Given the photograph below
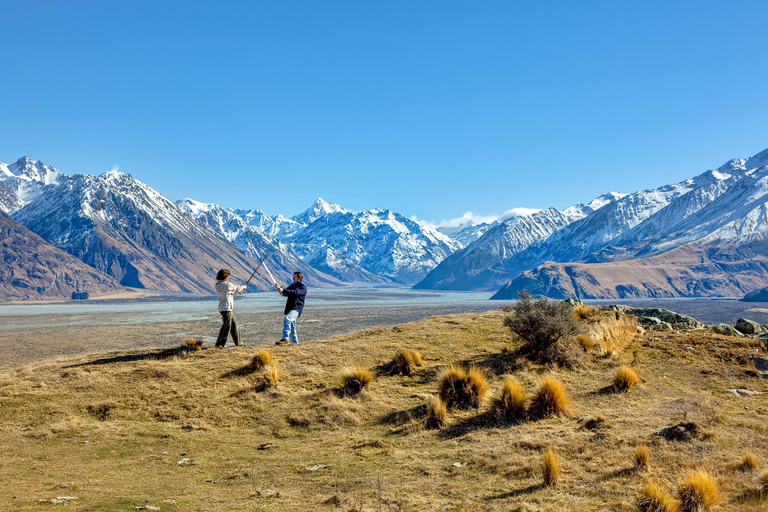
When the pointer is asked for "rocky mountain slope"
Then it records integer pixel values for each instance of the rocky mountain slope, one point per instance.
(129, 231)
(31, 268)
(718, 218)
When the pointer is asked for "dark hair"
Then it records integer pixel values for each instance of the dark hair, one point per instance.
(299, 275)
(223, 274)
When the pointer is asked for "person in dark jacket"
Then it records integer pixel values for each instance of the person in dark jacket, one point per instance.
(293, 307)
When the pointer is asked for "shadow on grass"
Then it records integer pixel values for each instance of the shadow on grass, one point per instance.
(403, 417)
(240, 372)
(517, 493)
(752, 496)
(618, 473)
(156, 355)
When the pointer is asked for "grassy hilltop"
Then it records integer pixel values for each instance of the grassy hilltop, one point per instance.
(187, 429)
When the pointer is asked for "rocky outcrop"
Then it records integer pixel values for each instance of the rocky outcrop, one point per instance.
(657, 317)
(30, 268)
(726, 330)
(749, 327)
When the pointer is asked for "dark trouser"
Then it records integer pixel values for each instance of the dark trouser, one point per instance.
(228, 325)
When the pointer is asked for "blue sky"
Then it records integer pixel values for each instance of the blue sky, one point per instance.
(431, 109)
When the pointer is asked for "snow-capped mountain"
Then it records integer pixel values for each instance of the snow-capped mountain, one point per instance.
(8, 199)
(480, 265)
(280, 260)
(273, 227)
(27, 178)
(721, 216)
(128, 230)
(467, 233)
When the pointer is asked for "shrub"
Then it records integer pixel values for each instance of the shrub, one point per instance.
(354, 381)
(582, 312)
(271, 377)
(404, 361)
(550, 468)
(642, 458)
(625, 378)
(586, 342)
(750, 462)
(192, 344)
(550, 398)
(436, 413)
(461, 388)
(541, 323)
(654, 499)
(261, 359)
(512, 403)
(698, 492)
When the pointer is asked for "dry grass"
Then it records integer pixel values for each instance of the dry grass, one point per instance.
(404, 362)
(511, 406)
(550, 467)
(261, 359)
(462, 389)
(550, 398)
(192, 344)
(625, 378)
(763, 485)
(642, 458)
(750, 462)
(295, 446)
(272, 377)
(437, 413)
(654, 499)
(354, 381)
(584, 312)
(586, 342)
(698, 492)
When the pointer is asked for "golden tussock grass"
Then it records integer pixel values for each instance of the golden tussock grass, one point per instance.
(512, 403)
(749, 463)
(437, 413)
(272, 377)
(586, 342)
(354, 381)
(763, 485)
(584, 312)
(550, 398)
(625, 378)
(698, 492)
(261, 358)
(550, 467)
(192, 344)
(462, 389)
(404, 361)
(654, 499)
(642, 458)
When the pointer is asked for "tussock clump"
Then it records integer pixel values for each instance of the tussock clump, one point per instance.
(625, 378)
(750, 462)
(511, 406)
(763, 485)
(437, 413)
(271, 377)
(550, 398)
(462, 389)
(583, 312)
(541, 323)
(654, 499)
(354, 381)
(550, 468)
(698, 492)
(642, 458)
(101, 411)
(192, 344)
(586, 342)
(261, 359)
(403, 362)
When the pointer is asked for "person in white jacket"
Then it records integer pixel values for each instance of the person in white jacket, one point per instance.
(226, 292)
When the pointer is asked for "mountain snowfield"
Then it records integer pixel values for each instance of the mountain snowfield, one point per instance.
(704, 236)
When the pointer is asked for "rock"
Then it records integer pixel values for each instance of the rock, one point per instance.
(574, 302)
(317, 467)
(653, 323)
(726, 330)
(679, 432)
(742, 392)
(749, 327)
(761, 363)
(764, 339)
(650, 316)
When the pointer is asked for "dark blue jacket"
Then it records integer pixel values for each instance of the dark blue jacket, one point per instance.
(295, 293)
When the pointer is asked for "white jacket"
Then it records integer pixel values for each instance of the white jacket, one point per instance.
(226, 292)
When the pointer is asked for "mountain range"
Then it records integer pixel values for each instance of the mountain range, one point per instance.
(705, 236)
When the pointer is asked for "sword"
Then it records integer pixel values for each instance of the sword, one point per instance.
(257, 268)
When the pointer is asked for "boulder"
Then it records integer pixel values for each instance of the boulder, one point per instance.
(653, 323)
(727, 330)
(749, 327)
(675, 321)
(761, 363)
(742, 392)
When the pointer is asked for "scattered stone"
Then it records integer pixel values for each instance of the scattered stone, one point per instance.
(317, 467)
(147, 507)
(761, 363)
(749, 327)
(459, 464)
(574, 302)
(68, 485)
(726, 330)
(679, 432)
(61, 500)
(742, 392)
(186, 462)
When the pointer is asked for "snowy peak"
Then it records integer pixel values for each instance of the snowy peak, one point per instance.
(26, 178)
(319, 209)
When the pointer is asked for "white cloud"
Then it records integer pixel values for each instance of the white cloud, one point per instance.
(472, 218)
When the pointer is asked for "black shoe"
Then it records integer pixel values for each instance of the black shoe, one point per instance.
(281, 342)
